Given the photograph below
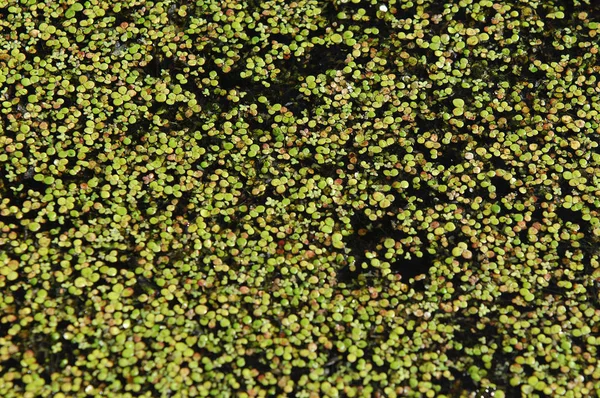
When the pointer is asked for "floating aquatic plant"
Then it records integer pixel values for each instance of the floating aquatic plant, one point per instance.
(348, 198)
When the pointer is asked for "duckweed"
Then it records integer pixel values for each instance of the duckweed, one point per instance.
(349, 198)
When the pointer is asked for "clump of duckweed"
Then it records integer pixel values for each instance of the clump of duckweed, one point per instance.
(347, 198)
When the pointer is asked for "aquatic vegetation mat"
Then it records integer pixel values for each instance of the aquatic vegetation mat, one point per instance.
(299, 198)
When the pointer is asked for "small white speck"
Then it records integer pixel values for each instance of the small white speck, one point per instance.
(383, 8)
(349, 88)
